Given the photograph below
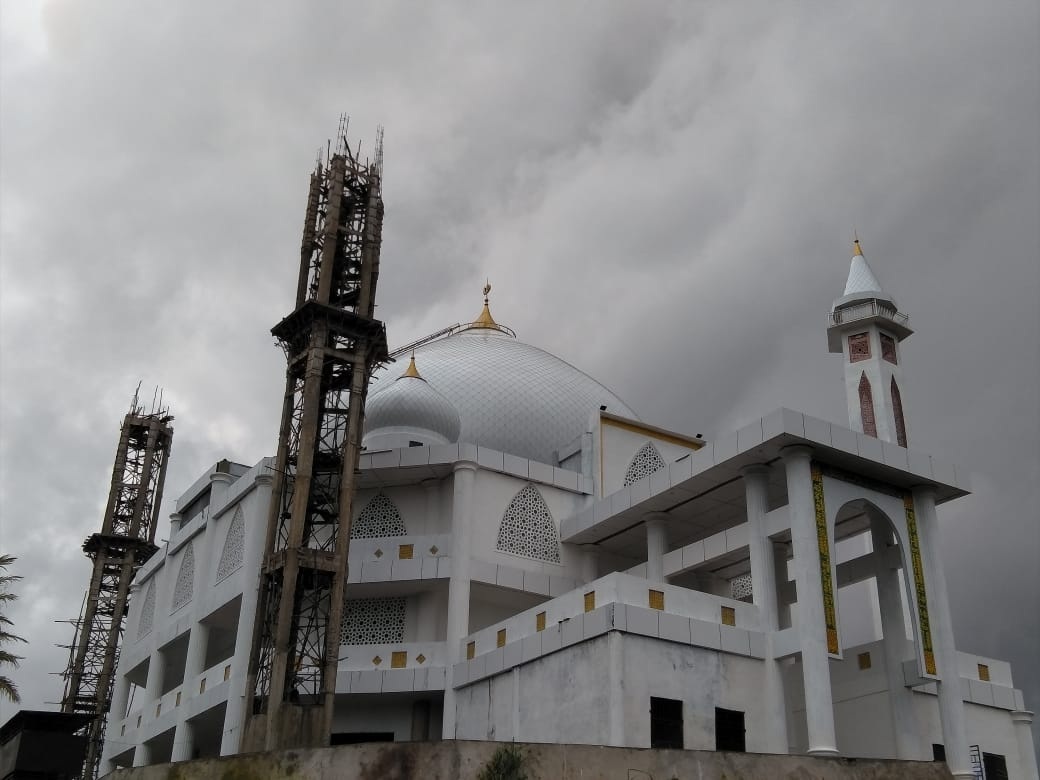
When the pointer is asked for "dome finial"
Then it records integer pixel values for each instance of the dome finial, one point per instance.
(411, 371)
(857, 250)
(485, 320)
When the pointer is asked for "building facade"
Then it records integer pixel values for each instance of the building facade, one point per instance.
(530, 561)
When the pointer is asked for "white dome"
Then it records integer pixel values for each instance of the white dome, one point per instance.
(510, 396)
(409, 409)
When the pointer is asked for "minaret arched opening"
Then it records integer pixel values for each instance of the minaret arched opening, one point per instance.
(897, 411)
(866, 406)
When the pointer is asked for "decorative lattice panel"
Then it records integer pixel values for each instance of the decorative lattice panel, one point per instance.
(866, 406)
(888, 348)
(373, 621)
(185, 585)
(644, 463)
(740, 587)
(234, 547)
(147, 617)
(380, 517)
(528, 527)
(859, 347)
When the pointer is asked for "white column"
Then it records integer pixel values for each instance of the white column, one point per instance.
(951, 701)
(894, 644)
(763, 594)
(183, 742)
(194, 665)
(1023, 720)
(656, 545)
(255, 539)
(142, 755)
(219, 482)
(616, 694)
(458, 585)
(812, 630)
(120, 697)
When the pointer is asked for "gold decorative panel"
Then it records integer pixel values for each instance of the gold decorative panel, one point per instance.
(830, 618)
(863, 659)
(398, 659)
(405, 552)
(590, 601)
(919, 587)
(656, 599)
(471, 650)
(539, 622)
(729, 616)
(500, 640)
(984, 672)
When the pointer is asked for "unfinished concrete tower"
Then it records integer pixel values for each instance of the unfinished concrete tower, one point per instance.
(125, 542)
(331, 342)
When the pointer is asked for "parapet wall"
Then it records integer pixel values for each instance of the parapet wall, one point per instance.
(459, 760)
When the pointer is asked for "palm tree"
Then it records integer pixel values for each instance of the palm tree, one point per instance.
(7, 686)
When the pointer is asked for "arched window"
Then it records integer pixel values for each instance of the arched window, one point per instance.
(185, 585)
(644, 463)
(379, 518)
(897, 410)
(528, 527)
(234, 547)
(866, 406)
(147, 617)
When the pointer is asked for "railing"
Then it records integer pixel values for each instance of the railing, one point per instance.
(864, 310)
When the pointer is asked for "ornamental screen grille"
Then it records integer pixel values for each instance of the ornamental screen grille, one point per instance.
(185, 585)
(379, 518)
(644, 463)
(888, 348)
(373, 621)
(866, 406)
(234, 545)
(740, 587)
(859, 347)
(528, 528)
(144, 622)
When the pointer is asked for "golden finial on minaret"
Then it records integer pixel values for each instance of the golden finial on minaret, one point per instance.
(412, 370)
(857, 251)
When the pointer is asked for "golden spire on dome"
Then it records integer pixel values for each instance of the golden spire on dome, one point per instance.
(485, 320)
(857, 251)
(411, 370)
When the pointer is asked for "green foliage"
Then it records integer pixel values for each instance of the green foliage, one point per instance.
(507, 763)
(7, 686)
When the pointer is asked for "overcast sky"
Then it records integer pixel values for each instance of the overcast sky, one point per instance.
(663, 194)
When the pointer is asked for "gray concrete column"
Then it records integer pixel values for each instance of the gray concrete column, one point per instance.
(812, 629)
(656, 544)
(458, 584)
(763, 594)
(142, 755)
(895, 647)
(1023, 720)
(951, 701)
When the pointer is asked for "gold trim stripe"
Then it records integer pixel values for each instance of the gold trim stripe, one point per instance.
(826, 580)
(919, 588)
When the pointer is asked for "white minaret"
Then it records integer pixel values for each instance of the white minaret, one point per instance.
(867, 328)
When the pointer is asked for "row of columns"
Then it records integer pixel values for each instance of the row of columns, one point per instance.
(766, 557)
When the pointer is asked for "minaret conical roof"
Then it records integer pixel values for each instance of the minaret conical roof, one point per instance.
(861, 278)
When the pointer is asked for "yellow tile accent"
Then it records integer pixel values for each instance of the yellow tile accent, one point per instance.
(377, 660)
(405, 552)
(729, 616)
(590, 601)
(501, 641)
(863, 659)
(823, 543)
(398, 659)
(202, 685)
(227, 672)
(656, 599)
(924, 624)
(539, 622)
(984, 672)
(420, 658)
(177, 701)
(471, 650)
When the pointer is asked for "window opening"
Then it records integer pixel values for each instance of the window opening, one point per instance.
(666, 723)
(729, 730)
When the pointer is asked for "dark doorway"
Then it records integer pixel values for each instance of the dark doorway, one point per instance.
(995, 766)
(666, 728)
(729, 730)
(353, 737)
(938, 752)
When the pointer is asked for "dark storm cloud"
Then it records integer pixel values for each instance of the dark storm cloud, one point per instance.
(663, 196)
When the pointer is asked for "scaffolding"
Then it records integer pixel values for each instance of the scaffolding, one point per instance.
(332, 343)
(125, 542)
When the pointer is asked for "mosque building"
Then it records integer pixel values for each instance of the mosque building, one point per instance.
(530, 561)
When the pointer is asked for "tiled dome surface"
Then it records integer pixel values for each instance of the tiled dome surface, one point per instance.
(410, 402)
(510, 396)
